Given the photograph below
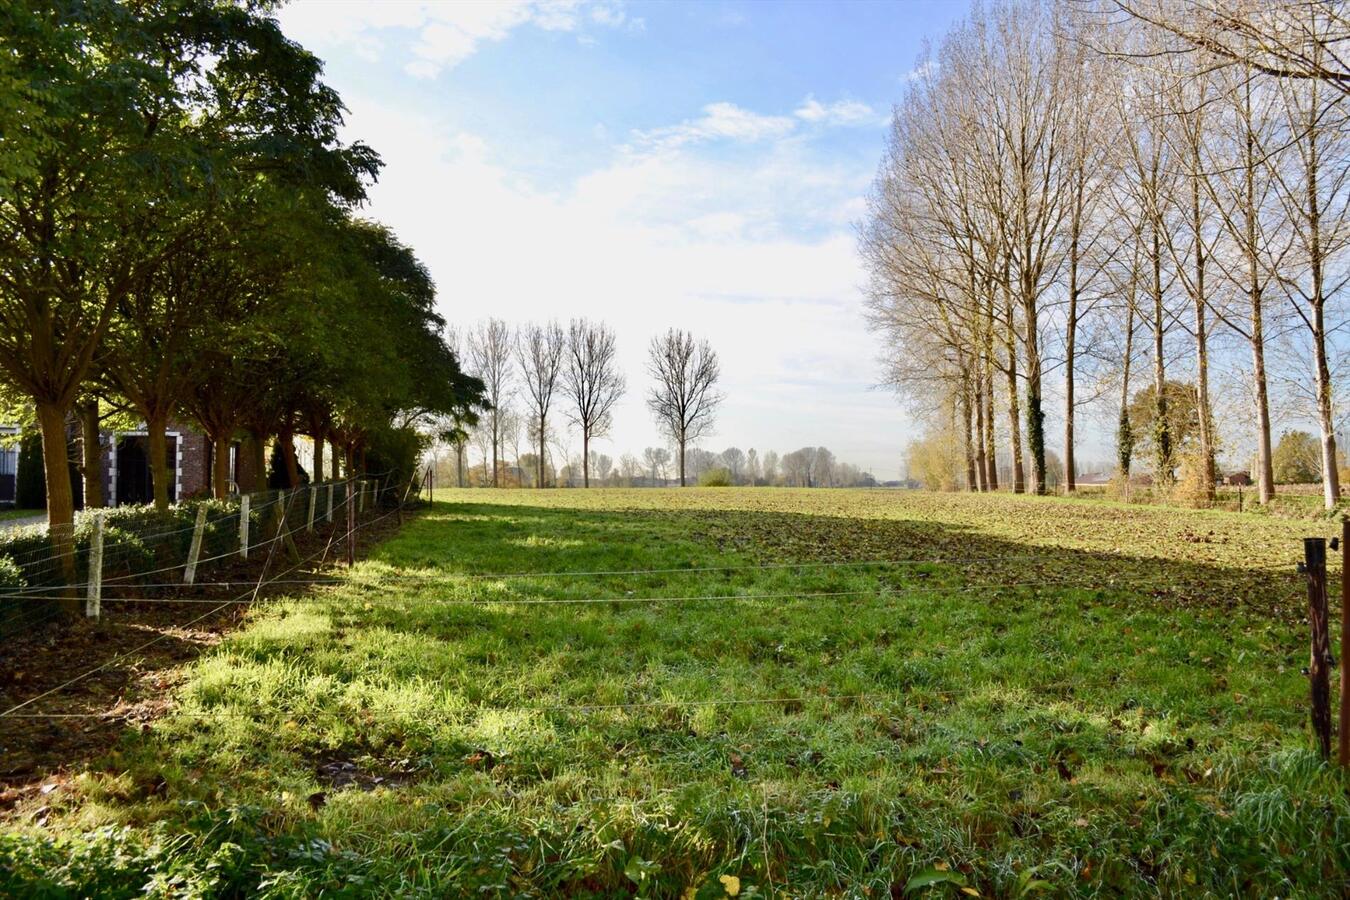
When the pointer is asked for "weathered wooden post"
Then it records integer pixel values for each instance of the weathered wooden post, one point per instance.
(1315, 558)
(243, 526)
(329, 517)
(195, 549)
(313, 502)
(93, 604)
(351, 525)
(1344, 754)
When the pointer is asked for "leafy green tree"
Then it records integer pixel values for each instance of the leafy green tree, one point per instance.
(1297, 458)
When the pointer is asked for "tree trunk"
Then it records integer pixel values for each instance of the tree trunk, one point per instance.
(1162, 433)
(541, 455)
(157, 443)
(1014, 412)
(585, 458)
(967, 443)
(991, 451)
(496, 439)
(60, 501)
(1265, 464)
(459, 464)
(682, 464)
(93, 456)
(287, 442)
(257, 446)
(1206, 429)
(1035, 413)
(1070, 340)
(334, 460)
(981, 467)
(220, 467)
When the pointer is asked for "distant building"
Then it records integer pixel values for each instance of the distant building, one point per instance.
(1238, 479)
(126, 465)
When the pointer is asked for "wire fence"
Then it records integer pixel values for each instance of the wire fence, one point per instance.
(302, 509)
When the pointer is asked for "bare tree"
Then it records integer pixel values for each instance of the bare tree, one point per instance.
(1293, 40)
(684, 398)
(656, 458)
(593, 382)
(490, 353)
(540, 349)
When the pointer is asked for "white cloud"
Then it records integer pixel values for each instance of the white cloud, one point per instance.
(841, 112)
(446, 33)
(720, 121)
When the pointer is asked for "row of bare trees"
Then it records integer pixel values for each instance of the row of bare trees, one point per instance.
(1073, 192)
(540, 364)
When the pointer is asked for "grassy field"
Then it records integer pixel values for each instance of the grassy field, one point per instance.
(744, 692)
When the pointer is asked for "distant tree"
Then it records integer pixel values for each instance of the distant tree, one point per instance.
(935, 460)
(540, 349)
(684, 398)
(656, 458)
(1297, 458)
(599, 463)
(822, 468)
(734, 458)
(593, 382)
(771, 467)
(752, 466)
(629, 468)
(1182, 424)
(490, 356)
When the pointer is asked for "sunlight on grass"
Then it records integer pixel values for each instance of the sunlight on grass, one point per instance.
(1111, 722)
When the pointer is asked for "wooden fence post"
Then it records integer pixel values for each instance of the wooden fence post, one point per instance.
(1315, 558)
(351, 525)
(93, 604)
(195, 549)
(243, 526)
(329, 518)
(313, 502)
(1344, 754)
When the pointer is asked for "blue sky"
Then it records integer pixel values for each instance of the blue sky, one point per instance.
(650, 164)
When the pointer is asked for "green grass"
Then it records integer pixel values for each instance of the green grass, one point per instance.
(1078, 697)
(9, 513)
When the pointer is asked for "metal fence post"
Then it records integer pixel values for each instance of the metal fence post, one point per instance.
(195, 549)
(1319, 682)
(93, 604)
(243, 526)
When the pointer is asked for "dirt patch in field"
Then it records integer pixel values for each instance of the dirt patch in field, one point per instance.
(118, 673)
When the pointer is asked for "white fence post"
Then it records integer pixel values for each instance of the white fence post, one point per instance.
(93, 604)
(243, 526)
(195, 550)
(329, 517)
(313, 502)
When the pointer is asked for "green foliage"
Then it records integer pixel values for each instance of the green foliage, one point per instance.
(276, 469)
(1124, 442)
(10, 574)
(1036, 439)
(394, 455)
(30, 480)
(1297, 458)
(718, 476)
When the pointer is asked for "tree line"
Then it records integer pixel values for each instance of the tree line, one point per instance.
(544, 382)
(179, 238)
(1126, 207)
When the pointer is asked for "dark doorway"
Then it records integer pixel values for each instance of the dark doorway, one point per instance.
(133, 470)
(9, 467)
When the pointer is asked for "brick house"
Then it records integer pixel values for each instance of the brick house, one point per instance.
(126, 465)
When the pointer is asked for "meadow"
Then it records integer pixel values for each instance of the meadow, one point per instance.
(736, 692)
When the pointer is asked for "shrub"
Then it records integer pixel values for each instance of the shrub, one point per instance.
(718, 477)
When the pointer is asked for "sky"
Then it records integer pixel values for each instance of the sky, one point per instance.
(696, 165)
